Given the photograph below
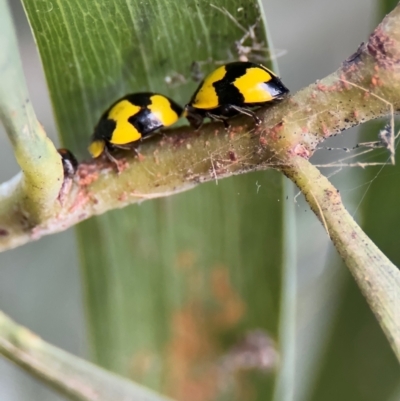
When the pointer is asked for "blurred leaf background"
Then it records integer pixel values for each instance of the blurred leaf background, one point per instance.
(222, 279)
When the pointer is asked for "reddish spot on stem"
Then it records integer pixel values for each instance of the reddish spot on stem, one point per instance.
(344, 81)
(383, 48)
(141, 157)
(232, 156)
(300, 150)
(325, 130)
(274, 131)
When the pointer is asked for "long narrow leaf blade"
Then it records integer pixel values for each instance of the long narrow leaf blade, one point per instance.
(175, 288)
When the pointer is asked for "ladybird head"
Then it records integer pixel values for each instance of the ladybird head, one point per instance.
(194, 116)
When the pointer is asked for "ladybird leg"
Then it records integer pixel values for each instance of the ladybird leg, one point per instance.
(246, 112)
(194, 117)
(221, 119)
(124, 147)
(196, 121)
(136, 150)
(112, 159)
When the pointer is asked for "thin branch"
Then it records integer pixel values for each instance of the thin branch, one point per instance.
(70, 375)
(33, 198)
(183, 158)
(377, 277)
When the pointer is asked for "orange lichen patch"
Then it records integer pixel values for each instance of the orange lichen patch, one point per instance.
(89, 179)
(275, 130)
(383, 48)
(321, 87)
(375, 80)
(349, 67)
(232, 307)
(87, 174)
(194, 352)
(191, 375)
(263, 141)
(123, 197)
(186, 259)
(325, 88)
(190, 332)
(81, 199)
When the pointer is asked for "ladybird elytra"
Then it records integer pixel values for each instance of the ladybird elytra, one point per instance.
(96, 147)
(131, 118)
(250, 87)
(232, 89)
(161, 107)
(124, 132)
(206, 97)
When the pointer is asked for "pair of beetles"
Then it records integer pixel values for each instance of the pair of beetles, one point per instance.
(232, 89)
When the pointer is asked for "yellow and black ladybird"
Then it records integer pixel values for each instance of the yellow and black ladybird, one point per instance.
(132, 118)
(232, 89)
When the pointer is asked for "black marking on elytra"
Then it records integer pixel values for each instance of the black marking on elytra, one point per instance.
(175, 107)
(142, 99)
(227, 92)
(276, 88)
(145, 122)
(105, 128)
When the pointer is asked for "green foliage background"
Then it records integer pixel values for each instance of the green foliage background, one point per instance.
(190, 269)
(202, 267)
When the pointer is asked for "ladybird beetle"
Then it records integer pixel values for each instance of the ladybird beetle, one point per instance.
(69, 162)
(232, 89)
(70, 167)
(130, 119)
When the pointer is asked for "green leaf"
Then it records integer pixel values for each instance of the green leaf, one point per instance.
(71, 376)
(385, 6)
(359, 361)
(34, 192)
(173, 286)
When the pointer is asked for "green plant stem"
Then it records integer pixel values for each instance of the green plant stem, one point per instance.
(32, 200)
(366, 86)
(70, 375)
(377, 277)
